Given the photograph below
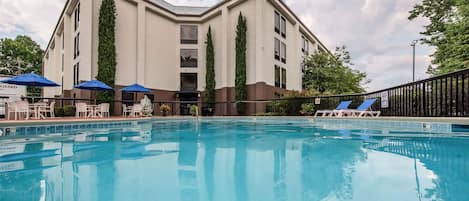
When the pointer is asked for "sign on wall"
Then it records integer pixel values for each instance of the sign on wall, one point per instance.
(384, 100)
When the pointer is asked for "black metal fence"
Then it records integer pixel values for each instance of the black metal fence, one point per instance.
(440, 96)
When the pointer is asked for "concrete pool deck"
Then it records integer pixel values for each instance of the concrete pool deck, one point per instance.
(68, 120)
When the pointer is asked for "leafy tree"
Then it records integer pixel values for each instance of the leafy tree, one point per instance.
(21, 55)
(240, 82)
(107, 49)
(210, 67)
(333, 73)
(448, 31)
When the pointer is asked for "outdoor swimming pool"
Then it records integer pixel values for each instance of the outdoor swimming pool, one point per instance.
(258, 159)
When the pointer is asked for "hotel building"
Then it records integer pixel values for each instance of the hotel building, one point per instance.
(162, 47)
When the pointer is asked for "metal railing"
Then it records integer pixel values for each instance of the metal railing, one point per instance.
(441, 96)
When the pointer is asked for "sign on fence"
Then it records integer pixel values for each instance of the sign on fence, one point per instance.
(384, 100)
(317, 101)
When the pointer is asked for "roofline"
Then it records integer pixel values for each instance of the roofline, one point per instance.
(306, 28)
(55, 29)
(193, 15)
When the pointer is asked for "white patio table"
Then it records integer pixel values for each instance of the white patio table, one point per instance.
(94, 110)
(35, 107)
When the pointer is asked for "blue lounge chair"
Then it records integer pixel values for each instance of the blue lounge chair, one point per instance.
(363, 110)
(342, 106)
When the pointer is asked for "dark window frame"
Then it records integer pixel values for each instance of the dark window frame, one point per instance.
(277, 22)
(283, 26)
(76, 73)
(78, 44)
(190, 41)
(283, 52)
(189, 64)
(77, 17)
(277, 49)
(284, 78)
(195, 84)
(75, 47)
(277, 76)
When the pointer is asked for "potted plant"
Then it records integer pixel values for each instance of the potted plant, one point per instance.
(165, 109)
(307, 109)
(194, 110)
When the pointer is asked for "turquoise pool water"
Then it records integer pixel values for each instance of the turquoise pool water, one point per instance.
(235, 159)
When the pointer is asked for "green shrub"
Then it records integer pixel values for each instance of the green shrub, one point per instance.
(307, 108)
(69, 111)
(194, 109)
(59, 112)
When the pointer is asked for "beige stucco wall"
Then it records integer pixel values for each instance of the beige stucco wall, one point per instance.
(126, 43)
(161, 53)
(148, 45)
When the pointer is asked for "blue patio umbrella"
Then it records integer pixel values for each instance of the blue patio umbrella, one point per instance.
(30, 79)
(94, 85)
(136, 88)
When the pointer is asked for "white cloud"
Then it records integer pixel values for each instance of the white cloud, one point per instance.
(376, 32)
(32, 17)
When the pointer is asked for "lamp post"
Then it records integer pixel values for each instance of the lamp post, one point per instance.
(414, 42)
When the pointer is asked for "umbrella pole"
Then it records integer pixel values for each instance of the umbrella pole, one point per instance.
(95, 93)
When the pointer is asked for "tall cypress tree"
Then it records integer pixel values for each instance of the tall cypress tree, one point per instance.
(107, 49)
(210, 67)
(240, 82)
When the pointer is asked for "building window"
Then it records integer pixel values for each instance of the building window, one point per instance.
(77, 17)
(76, 74)
(189, 58)
(277, 22)
(75, 47)
(283, 27)
(283, 53)
(189, 34)
(280, 77)
(277, 49)
(188, 81)
(305, 46)
(284, 78)
(277, 76)
(78, 44)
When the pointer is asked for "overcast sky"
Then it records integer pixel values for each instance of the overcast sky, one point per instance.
(376, 32)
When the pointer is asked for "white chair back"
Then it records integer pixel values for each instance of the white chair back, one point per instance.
(52, 106)
(104, 107)
(22, 106)
(80, 107)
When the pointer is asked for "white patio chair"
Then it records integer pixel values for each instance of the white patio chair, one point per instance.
(103, 110)
(47, 109)
(22, 110)
(137, 109)
(11, 110)
(125, 110)
(82, 110)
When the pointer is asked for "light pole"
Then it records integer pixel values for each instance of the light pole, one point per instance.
(414, 42)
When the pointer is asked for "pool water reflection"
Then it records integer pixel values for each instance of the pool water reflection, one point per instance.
(232, 160)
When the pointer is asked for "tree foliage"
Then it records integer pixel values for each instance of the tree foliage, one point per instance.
(448, 32)
(210, 68)
(240, 82)
(333, 73)
(107, 48)
(21, 55)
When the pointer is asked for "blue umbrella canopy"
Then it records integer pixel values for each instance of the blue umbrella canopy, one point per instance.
(94, 85)
(136, 88)
(30, 79)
